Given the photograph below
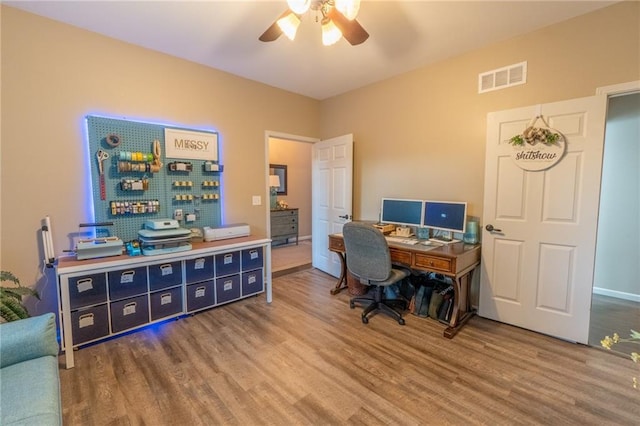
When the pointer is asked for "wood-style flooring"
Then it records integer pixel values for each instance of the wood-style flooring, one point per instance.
(290, 258)
(307, 359)
(612, 315)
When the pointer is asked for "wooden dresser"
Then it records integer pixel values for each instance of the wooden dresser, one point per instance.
(284, 224)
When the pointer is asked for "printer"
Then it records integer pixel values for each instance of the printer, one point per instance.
(93, 248)
(161, 236)
(234, 230)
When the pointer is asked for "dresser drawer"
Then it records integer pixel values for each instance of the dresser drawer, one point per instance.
(280, 214)
(436, 263)
(284, 229)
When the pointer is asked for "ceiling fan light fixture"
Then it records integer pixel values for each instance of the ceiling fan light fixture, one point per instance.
(349, 8)
(289, 25)
(330, 33)
(299, 6)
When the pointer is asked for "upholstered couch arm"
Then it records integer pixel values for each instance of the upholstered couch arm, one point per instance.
(27, 339)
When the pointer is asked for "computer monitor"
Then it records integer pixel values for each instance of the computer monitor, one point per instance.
(449, 216)
(401, 211)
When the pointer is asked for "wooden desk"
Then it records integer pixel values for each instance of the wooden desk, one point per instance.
(456, 261)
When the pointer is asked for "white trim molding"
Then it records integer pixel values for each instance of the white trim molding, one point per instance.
(619, 89)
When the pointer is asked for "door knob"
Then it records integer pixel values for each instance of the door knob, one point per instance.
(490, 228)
(346, 216)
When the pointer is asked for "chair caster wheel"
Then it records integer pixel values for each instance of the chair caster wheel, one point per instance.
(365, 320)
(401, 321)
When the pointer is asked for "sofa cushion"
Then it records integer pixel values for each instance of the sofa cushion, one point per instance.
(28, 339)
(31, 393)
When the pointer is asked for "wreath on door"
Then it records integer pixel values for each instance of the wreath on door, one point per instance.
(538, 147)
(533, 135)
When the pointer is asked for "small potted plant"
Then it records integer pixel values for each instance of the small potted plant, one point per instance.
(634, 337)
(11, 306)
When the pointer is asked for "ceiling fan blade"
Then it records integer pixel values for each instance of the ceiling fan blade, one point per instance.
(352, 31)
(274, 31)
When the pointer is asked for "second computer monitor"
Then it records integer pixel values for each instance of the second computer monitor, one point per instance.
(401, 211)
(450, 216)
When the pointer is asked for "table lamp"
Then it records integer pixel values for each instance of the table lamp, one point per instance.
(274, 184)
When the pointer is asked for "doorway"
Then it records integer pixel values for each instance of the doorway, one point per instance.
(294, 153)
(616, 296)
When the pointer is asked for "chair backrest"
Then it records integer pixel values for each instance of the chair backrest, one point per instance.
(367, 252)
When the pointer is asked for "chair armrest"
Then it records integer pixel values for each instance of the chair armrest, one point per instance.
(27, 339)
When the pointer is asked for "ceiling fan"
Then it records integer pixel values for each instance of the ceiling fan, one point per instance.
(338, 19)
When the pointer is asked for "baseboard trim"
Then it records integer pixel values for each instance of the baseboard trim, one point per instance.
(276, 274)
(617, 294)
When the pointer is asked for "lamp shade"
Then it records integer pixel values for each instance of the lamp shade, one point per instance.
(330, 33)
(349, 8)
(274, 181)
(299, 6)
(289, 25)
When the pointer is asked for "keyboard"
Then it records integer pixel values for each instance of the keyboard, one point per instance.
(402, 240)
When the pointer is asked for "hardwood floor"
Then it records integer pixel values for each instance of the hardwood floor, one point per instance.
(612, 315)
(290, 258)
(308, 359)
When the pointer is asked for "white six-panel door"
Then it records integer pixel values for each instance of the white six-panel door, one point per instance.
(332, 199)
(537, 270)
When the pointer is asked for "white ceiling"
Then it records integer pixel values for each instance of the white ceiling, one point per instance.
(404, 35)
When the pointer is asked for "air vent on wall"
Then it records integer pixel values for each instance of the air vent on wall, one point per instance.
(504, 77)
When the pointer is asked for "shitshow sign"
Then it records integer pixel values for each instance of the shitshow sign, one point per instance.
(537, 148)
(190, 145)
(539, 157)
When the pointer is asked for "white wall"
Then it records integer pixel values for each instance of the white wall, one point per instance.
(617, 267)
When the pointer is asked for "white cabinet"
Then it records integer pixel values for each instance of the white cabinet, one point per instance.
(100, 298)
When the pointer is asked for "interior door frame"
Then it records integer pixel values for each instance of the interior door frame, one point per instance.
(268, 134)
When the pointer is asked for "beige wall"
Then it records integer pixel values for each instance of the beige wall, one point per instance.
(297, 157)
(422, 134)
(53, 75)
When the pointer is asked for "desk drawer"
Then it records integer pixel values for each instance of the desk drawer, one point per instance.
(400, 256)
(436, 263)
(336, 244)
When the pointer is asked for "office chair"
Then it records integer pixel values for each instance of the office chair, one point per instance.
(369, 260)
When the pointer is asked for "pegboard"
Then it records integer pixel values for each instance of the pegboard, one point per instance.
(167, 188)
